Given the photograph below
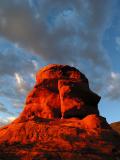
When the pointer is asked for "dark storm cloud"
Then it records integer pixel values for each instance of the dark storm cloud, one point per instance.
(60, 31)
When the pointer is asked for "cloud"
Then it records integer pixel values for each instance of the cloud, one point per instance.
(14, 59)
(34, 33)
(21, 84)
(67, 32)
(113, 86)
(62, 32)
(17, 70)
(2, 122)
(118, 41)
(4, 109)
(5, 121)
(17, 103)
(10, 119)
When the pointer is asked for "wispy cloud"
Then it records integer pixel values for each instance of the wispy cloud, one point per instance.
(4, 109)
(21, 85)
(17, 69)
(113, 89)
(117, 40)
(7, 120)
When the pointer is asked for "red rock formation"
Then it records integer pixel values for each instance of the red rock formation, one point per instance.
(54, 71)
(39, 133)
(60, 90)
(76, 99)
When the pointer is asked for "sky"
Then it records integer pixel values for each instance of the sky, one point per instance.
(81, 33)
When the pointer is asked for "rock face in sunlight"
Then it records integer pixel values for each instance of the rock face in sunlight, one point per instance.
(60, 91)
(60, 121)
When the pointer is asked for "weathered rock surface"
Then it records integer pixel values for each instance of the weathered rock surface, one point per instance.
(59, 139)
(76, 99)
(56, 71)
(60, 91)
(60, 121)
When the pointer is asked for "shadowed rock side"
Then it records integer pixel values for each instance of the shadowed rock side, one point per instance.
(60, 121)
(116, 126)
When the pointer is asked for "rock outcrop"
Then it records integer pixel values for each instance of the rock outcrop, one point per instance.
(60, 91)
(60, 121)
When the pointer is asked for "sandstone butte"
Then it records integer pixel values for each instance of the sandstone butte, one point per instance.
(60, 121)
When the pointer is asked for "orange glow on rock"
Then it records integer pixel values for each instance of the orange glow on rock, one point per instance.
(60, 121)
